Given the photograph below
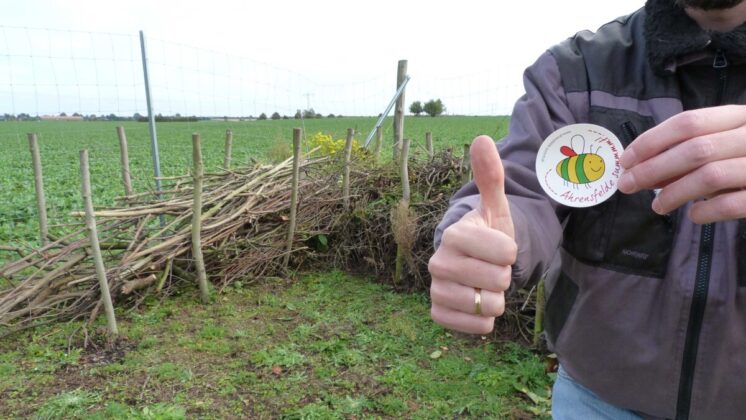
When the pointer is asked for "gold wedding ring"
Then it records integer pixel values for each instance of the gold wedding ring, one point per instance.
(478, 301)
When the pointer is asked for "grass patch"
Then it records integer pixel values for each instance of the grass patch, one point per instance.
(300, 354)
(67, 405)
(161, 411)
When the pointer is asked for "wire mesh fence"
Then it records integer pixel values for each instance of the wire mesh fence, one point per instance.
(49, 72)
(73, 87)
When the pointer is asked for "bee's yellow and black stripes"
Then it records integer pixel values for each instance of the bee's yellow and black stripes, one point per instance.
(571, 169)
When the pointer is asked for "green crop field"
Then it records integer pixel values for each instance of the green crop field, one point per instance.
(61, 141)
(324, 344)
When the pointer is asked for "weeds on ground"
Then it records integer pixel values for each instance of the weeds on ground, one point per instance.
(326, 345)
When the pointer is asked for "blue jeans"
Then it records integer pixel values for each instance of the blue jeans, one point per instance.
(571, 401)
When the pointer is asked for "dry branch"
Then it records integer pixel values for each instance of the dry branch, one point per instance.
(130, 286)
(244, 231)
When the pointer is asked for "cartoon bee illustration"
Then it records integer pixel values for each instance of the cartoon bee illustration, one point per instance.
(582, 168)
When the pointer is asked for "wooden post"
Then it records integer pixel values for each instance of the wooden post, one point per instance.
(379, 143)
(294, 195)
(405, 194)
(199, 260)
(403, 208)
(90, 223)
(125, 159)
(346, 173)
(401, 74)
(228, 149)
(429, 145)
(41, 202)
(466, 166)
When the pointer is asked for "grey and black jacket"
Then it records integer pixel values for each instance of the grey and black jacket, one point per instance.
(648, 311)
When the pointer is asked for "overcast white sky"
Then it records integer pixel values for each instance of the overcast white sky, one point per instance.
(246, 57)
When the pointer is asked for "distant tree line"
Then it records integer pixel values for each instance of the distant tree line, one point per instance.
(305, 114)
(62, 115)
(19, 117)
(167, 118)
(433, 108)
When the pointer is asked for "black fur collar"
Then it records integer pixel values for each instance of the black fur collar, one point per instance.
(671, 35)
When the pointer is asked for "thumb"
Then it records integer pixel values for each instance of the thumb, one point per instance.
(490, 179)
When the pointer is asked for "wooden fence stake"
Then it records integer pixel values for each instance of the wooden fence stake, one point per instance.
(199, 261)
(346, 173)
(466, 166)
(90, 223)
(379, 143)
(429, 145)
(401, 74)
(405, 195)
(41, 202)
(228, 149)
(403, 208)
(294, 195)
(126, 179)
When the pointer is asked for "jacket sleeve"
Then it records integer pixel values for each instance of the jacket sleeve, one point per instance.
(537, 219)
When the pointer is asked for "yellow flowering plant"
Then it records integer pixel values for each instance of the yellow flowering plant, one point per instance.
(330, 147)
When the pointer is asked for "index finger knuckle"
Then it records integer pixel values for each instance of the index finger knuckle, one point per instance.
(691, 121)
(447, 236)
(437, 266)
(700, 151)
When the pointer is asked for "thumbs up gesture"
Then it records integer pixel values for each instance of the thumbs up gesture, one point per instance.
(472, 267)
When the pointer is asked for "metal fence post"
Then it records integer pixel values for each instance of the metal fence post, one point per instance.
(386, 112)
(151, 119)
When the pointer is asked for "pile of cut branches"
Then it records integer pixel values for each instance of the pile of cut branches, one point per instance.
(146, 243)
(147, 240)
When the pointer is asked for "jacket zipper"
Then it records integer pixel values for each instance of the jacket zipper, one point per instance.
(696, 314)
(702, 282)
(720, 63)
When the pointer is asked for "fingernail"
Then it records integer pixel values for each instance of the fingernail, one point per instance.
(657, 206)
(628, 158)
(627, 183)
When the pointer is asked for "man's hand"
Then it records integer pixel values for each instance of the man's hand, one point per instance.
(476, 252)
(692, 155)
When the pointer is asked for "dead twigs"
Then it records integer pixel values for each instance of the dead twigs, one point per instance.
(244, 233)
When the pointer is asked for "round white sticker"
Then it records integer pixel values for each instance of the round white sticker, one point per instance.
(578, 165)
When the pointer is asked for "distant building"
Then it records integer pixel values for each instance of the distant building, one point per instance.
(58, 118)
